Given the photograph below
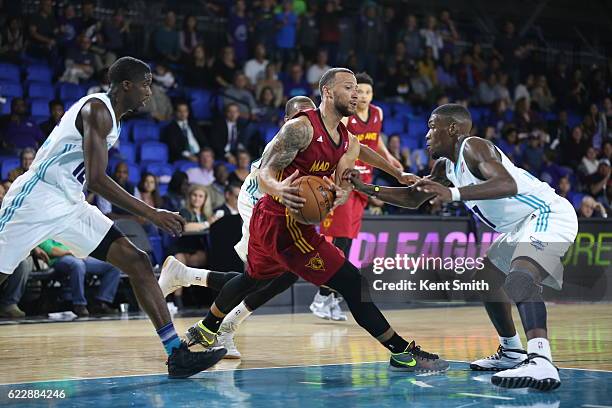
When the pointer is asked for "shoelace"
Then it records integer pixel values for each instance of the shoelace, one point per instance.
(416, 351)
(498, 354)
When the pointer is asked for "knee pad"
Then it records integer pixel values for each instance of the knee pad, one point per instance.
(522, 287)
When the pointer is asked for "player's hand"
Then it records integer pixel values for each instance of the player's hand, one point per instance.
(442, 193)
(408, 178)
(341, 194)
(289, 193)
(169, 221)
(354, 177)
(38, 253)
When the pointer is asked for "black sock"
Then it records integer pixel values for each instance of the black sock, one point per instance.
(212, 322)
(395, 344)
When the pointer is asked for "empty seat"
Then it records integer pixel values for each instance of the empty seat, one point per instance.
(40, 107)
(41, 90)
(10, 72)
(11, 89)
(161, 170)
(184, 165)
(7, 165)
(145, 131)
(39, 73)
(200, 100)
(70, 91)
(153, 152)
(127, 152)
(393, 126)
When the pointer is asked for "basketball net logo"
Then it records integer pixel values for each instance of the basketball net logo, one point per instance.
(316, 263)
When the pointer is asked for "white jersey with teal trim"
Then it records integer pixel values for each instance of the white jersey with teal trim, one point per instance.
(504, 214)
(60, 161)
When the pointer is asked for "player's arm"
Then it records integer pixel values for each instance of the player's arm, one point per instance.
(368, 155)
(484, 162)
(407, 197)
(295, 135)
(97, 123)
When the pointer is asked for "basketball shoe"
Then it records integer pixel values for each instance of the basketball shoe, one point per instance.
(183, 363)
(503, 359)
(335, 311)
(225, 338)
(535, 372)
(172, 276)
(200, 334)
(414, 359)
(321, 306)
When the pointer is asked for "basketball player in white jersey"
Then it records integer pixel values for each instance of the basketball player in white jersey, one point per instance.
(48, 202)
(537, 227)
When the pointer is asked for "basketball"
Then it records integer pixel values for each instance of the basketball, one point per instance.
(319, 200)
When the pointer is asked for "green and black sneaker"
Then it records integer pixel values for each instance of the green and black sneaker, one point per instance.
(200, 334)
(413, 359)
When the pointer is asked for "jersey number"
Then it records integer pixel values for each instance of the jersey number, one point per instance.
(482, 217)
(79, 173)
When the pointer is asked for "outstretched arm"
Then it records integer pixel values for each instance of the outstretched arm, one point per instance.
(368, 155)
(96, 123)
(407, 197)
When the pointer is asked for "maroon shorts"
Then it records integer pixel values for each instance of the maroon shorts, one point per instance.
(278, 244)
(345, 220)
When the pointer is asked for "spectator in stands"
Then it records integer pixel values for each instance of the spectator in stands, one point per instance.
(88, 24)
(525, 118)
(26, 158)
(6, 184)
(163, 76)
(600, 123)
(183, 135)
(159, 106)
(523, 89)
(216, 191)
(308, 32)
(271, 81)
(243, 168)
(607, 111)
(188, 37)
(486, 90)
(174, 199)
(121, 176)
(230, 207)
(265, 26)
(506, 48)
(531, 159)
(589, 163)
(286, 24)
(370, 39)
(427, 67)
(468, 76)
(432, 36)
(477, 58)
(501, 89)
(148, 190)
(589, 208)
(296, 84)
(448, 31)
(238, 31)
(578, 92)
(400, 154)
(564, 189)
(606, 150)
(266, 111)
(65, 263)
(12, 41)
(204, 173)
(56, 107)
(17, 130)
(228, 134)
(79, 62)
(410, 35)
(103, 83)
(445, 73)
(598, 182)
(597, 84)
(198, 70)
(574, 148)
(166, 40)
(559, 130)
(329, 29)
(116, 32)
(238, 94)
(316, 71)
(43, 30)
(2, 193)
(255, 68)
(497, 117)
(509, 143)
(224, 70)
(541, 94)
(12, 290)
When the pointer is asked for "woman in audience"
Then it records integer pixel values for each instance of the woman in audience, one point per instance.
(266, 110)
(147, 190)
(270, 81)
(174, 199)
(198, 72)
(188, 37)
(243, 169)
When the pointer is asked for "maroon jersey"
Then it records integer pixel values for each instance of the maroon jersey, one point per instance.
(367, 133)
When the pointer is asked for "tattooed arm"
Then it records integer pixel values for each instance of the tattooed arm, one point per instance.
(294, 136)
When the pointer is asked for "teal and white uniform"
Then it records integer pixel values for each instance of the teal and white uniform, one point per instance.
(48, 201)
(535, 223)
(248, 197)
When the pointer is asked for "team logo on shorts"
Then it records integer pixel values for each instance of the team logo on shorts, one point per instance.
(316, 263)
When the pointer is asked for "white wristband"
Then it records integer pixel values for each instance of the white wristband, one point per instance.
(455, 194)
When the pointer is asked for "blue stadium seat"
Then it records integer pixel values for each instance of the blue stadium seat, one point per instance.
(67, 91)
(408, 141)
(9, 164)
(40, 107)
(386, 107)
(573, 119)
(68, 103)
(422, 154)
(200, 100)
(153, 152)
(577, 200)
(162, 189)
(10, 72)
(5, 108)
(127, 151)
(393, 125)
(40, 90)
(184, 165)
(268, 132)
(143, 131)
(39, 73)
(418, 128)
(11, 89)
(402, 110)
(479, 113)
(133, 173)
(162, 170)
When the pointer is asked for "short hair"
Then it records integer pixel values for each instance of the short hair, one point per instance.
(454, 111)
(231, 185)
(292, 105)
(127, 69)
(55, 102)
(26, 151)
(208, 149)
(364, 78)
(229, 105)
(328, 77)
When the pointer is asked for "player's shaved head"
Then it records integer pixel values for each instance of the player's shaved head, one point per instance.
(329, 76)
(454, 112)
(128, 69)
(297, 104)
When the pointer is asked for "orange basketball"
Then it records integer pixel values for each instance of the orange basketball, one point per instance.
(319, 200)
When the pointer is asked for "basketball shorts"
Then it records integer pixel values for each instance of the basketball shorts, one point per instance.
(544, 237)
(278, 244)
(33, 211)
(345, 221)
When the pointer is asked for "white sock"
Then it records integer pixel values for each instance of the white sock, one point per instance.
(238, 314)
(540, 346)
(196, 276)
(513, 342)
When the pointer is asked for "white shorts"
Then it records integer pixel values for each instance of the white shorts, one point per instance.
(249, 195)
(34, 211)
(544, 237)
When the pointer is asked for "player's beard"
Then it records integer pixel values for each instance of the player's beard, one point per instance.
(345, 110)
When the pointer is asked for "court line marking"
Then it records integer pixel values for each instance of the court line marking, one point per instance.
(310, 382)
(595, 406)
(469, 394)
(250, 368)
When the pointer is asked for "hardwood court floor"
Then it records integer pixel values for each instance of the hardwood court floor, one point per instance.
(581, 336)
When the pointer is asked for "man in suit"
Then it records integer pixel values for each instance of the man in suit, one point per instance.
(228, 134)
(183, 135)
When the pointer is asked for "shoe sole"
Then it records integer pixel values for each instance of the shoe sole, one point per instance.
(496, 369)
(216, 355)
(232, 356)
(420, 370)
(546, 384)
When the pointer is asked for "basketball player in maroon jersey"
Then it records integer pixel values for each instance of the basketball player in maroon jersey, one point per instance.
(316, 143)
(344, 222)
